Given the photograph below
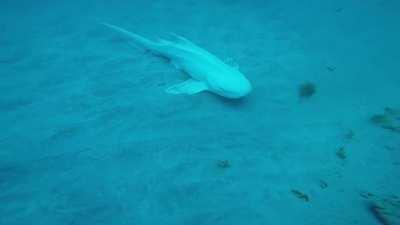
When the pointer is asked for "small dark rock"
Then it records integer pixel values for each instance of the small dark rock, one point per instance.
(330, 68)
(341, 153)
(223, 164)
(323, 184)
(307, 90)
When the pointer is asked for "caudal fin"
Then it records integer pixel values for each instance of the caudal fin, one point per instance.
(144, 42)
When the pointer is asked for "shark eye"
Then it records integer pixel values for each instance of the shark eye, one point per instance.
(223, 89)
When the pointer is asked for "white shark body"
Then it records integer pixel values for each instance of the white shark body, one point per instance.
(207, 72)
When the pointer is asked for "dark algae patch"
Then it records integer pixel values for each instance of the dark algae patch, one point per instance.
(323, 184)
(306, 90)
(386, 210)
(330, 68)
(389, 119)
(223, 164)
(341, 153)
(300, 195)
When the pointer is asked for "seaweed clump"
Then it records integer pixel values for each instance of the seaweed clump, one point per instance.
(223, 164)
(389, 120)
(385, 209)
(323, 184)
(307, 90)
(300, 195)
(341, 153)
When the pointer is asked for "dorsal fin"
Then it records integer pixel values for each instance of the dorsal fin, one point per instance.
(181, 39)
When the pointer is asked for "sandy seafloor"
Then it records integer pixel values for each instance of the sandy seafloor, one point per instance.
(88, 135)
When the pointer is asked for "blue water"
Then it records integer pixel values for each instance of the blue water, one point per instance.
(89, 136)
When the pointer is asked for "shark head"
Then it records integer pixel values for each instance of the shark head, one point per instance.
(233, 85)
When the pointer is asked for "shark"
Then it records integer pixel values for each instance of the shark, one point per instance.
(206, 71)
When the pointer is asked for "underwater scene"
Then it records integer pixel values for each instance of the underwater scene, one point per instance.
(200, 112)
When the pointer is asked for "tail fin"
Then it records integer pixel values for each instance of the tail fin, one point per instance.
(144, 42)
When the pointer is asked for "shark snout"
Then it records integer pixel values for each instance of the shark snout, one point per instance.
(238, 90)
(244, 89)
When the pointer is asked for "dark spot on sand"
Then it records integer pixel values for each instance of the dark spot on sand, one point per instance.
(338, 10)
(341, 153)
(330, 68)
(385, 209)
(323, 184)
(300, 195)
(389, 120)
(306, 90)
(223, 164)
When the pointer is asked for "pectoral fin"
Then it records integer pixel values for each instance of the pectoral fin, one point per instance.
(189, 87)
